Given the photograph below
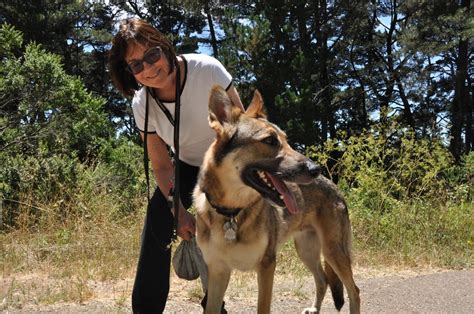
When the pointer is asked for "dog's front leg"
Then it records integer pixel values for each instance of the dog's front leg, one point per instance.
(219, 275)
(265, 276)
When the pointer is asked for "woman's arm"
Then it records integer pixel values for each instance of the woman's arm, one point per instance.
(161, 164)
(163, 171)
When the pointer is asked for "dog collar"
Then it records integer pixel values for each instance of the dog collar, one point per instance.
(230, 226)
(224, 211)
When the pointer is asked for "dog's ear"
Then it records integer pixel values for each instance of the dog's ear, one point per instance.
(221, 108)
(256, 108)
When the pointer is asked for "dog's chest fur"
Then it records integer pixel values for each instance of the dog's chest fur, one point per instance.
(257, 233)
(243, 254)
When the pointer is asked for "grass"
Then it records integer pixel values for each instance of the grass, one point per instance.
(41, 289)
(66, 260)
(416, 234)
(86, 247)
(63, 260)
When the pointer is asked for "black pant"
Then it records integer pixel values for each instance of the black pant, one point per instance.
(152, 281)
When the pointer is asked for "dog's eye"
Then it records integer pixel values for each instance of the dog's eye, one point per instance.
(271, 140)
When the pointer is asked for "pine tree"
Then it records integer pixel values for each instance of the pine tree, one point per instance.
(442, 32)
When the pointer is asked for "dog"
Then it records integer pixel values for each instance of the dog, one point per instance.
(254, 192)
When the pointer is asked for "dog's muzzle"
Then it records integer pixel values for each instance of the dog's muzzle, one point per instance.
(269, 177)
(313, 169)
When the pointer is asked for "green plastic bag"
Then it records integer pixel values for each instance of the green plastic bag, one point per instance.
(188, 262)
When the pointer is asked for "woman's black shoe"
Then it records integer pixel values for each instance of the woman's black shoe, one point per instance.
(204, 302)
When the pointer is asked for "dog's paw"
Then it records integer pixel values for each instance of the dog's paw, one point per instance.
(310, 310)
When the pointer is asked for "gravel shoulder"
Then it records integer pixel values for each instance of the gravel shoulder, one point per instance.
(382, 291)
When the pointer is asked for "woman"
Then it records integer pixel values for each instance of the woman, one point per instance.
(143, 64)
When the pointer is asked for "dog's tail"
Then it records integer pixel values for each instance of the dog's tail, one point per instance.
(337, 288)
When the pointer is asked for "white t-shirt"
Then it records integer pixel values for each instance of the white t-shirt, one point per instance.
(201, 73)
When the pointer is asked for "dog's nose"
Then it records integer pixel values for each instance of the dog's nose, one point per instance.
(314, 169)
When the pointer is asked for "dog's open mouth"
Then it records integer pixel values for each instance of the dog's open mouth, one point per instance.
(272, 187)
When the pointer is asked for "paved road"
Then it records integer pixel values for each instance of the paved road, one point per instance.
(439, 292)
(443, 292)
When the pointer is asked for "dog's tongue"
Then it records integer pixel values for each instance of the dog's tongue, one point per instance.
(288, 197)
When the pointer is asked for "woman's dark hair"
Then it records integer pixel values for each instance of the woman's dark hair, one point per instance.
(135, 31)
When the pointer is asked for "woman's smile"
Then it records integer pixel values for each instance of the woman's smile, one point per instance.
(153, 75)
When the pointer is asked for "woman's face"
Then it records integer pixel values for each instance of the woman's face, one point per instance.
(154, 75)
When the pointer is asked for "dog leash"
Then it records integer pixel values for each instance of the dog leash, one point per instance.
(173, 196)
(177, 113)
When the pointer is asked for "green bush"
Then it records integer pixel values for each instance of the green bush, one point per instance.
(59, 155)
(44, 108)
(407, 198)
(56, 187)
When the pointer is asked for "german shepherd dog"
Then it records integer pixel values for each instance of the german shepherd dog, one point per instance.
(254, 192)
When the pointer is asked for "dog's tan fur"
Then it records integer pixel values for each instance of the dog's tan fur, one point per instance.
(319, 222)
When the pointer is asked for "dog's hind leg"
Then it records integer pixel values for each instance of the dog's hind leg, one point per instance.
(218, 281)
(308, 249)
(265, 276)
(341, 265)
(337, 289)
(335, 244)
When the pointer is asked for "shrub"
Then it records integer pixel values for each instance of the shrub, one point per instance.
(46, 188)
(44, 108)
(407, 199)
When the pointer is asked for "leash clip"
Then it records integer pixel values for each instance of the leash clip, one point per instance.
(170, 198)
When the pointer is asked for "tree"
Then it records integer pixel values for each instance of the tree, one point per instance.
(443, 32)
(42, 107)
(289, 50)
(181, 26)
(80, 32)
(322, 66)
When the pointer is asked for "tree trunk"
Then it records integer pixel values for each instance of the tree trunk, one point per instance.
(407, 114)
(468, 95)
(461, 99)
(327, 117)
(211, 29)
(305, 39)
(390, 72)
(468, 115)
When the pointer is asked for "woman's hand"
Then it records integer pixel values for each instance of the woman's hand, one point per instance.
(163, 170)
(186, 224)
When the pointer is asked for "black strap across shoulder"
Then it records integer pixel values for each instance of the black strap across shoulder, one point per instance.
(175, 123)
(162, 107)
(177, 111)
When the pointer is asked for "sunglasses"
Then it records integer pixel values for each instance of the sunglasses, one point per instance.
(151, 56)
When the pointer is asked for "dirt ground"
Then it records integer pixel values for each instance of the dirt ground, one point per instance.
(382, 291)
